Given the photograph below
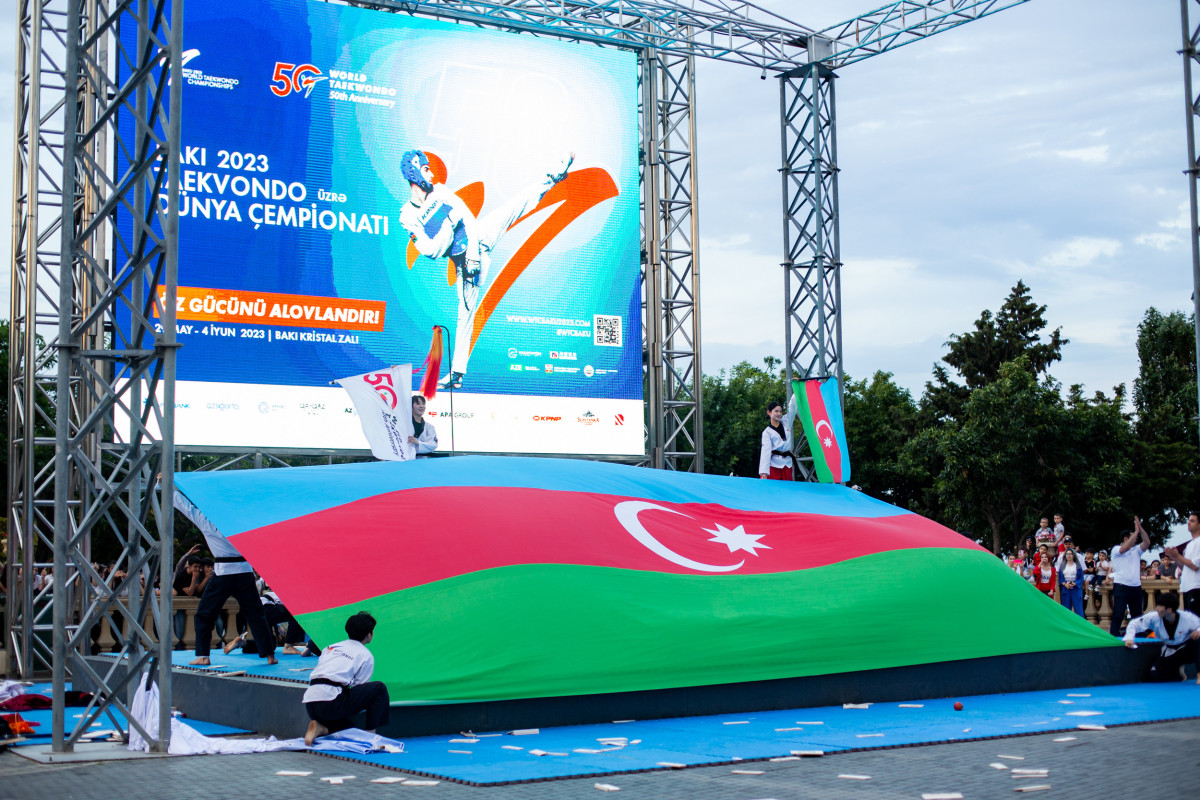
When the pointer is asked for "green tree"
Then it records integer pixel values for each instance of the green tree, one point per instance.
(1165, 483)
(881, 418)
(1018, 452)
(978, 355)
(735, 413)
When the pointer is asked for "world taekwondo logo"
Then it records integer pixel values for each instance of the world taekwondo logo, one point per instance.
(735, 539)
(194, 76)
(288, 78)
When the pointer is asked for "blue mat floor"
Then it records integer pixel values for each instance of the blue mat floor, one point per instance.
(42, 721)
(692, 741)
(289, 668)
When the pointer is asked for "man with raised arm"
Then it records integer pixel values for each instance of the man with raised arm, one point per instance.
(1189, 561)
(1126, 563)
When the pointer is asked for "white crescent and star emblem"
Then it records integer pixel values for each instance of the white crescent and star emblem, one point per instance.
(828, 440)
(735, 539)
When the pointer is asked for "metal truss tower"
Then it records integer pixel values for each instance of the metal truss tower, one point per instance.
(92, 324)
(1191, 67)
(92, 343)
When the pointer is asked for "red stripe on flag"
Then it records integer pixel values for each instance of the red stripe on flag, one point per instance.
(830, 447)
(398, 540)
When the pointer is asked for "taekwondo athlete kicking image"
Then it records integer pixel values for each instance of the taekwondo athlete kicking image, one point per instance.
(441, 225)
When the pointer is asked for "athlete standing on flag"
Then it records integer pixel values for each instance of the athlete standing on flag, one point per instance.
(442, 226)
(776, 451)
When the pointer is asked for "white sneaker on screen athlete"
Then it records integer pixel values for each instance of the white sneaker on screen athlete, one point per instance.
(451, 381)
(559, 172)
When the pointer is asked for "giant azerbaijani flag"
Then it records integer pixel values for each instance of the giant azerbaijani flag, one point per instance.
(499, 578)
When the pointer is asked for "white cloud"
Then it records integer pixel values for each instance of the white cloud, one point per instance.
(1181, 221)
(1159, 241)
(1081, 252)
(1096, 154)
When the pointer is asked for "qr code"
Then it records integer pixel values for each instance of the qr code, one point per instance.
(607, 330)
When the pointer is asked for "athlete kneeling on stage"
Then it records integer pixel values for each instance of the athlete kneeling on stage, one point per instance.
(339, 687)
(1179, 632)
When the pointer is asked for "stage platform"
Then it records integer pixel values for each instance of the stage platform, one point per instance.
(267, 699)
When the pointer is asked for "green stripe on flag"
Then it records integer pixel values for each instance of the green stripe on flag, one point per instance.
(543, 630)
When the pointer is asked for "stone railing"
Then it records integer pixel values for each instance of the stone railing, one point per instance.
(183, 626)
(1097, 603)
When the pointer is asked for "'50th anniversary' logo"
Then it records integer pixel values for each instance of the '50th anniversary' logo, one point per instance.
(288, 78)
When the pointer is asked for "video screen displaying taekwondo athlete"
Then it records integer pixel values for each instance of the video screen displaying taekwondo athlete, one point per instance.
(352, 178)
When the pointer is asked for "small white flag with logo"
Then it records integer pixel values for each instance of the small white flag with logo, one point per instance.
(383, 401)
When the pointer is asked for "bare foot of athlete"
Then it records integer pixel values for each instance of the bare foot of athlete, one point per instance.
(234, 643)
(202, 661)
(315, 731)
(272, 660)
(288, 650)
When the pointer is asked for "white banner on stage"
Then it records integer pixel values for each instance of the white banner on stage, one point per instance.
(383, 401)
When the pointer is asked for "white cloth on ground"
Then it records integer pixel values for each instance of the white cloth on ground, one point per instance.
(356, 740)
(10, 689)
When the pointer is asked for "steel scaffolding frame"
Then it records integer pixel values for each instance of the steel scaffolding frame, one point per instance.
(812, 261)
(1191, 66)
(92, 321)
(88, 359)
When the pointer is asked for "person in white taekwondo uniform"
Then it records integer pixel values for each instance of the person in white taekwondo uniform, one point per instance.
(441, 226)
(340, 686)
(232, 577)
(774, 457)
(1179, 632)
(424, 435)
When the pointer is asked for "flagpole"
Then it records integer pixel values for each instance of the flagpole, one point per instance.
(450, 384)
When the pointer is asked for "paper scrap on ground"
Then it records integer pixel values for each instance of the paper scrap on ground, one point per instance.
(607, 787)
(1039, 788)
(737, 722)
(1091, 727)
(1018, 772)
(1066, 739)
(510, 747)
(622, 721)
(798, 722)
(808, 752)
(942, 796)
(298, 773)
(338, 778)
(785, 758)
(1084, 713)
(1013, 758)
(463, 741)
(998, 765)
(233, 674)
(300, 669)
(1067, 702)
(420, 783)
(746, 771)
(856, 777)
(671, 765)
(1078, 695)
(866, 735)
(966, 730)
(524, 732)
(911, 705)
(856, 705)
(463, 752)
(387, 780)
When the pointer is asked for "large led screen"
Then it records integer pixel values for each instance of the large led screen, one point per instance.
(353, 178)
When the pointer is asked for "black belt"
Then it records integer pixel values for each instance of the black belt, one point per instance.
(229, 559)
(784, 453)
(327, 682)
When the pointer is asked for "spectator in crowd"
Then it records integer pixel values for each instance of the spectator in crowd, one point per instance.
(1070, 581)
(1166, 568)
(1043, 576)
(340, 684)
(1126, 563)
(191, 580)
(1189, 566)
(1044, 534)
(1103, 568)
(1059, 530)
(1089, 571)
(1179, 632)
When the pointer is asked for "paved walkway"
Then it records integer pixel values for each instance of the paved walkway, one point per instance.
(1159, 761)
